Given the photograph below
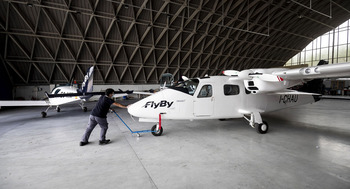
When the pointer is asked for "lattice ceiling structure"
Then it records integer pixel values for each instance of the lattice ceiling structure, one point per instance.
(136, 41)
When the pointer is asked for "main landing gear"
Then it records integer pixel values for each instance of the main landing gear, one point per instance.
(58, 109)
(43, 114)
(83, 107)
(256, 122)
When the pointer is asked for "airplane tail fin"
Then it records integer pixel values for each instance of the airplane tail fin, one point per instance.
(87, 85)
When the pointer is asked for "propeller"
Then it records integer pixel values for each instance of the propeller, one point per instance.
(184, 78)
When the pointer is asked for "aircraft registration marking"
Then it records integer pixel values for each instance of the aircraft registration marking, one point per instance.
(288, 98)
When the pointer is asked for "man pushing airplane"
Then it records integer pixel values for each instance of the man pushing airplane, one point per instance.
(99, 116)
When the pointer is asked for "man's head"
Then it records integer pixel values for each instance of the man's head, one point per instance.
(109, 91)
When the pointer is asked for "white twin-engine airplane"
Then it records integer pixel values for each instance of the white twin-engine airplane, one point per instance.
(238, 94)
(61, 95)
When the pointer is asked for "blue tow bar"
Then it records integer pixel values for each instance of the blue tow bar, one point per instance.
(133, 132)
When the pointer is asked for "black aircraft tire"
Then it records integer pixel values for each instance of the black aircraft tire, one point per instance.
(262, 128)
(85, 109)
(43, 114)
(58, 109)
(157, 133)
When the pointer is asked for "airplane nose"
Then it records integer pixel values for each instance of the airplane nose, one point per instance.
(133, 110)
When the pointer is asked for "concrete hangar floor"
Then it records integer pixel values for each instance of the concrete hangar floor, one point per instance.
(306, 147)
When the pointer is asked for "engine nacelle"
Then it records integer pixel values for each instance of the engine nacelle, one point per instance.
(257, 85)
(245, 74)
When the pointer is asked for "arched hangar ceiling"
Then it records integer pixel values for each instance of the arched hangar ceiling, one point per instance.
(136, 41)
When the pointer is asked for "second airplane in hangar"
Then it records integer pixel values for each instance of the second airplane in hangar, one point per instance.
(64, 95)
(238, 94)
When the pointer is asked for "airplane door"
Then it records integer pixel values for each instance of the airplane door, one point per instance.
(204, 102)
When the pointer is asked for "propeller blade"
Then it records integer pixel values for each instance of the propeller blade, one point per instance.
(184, 78)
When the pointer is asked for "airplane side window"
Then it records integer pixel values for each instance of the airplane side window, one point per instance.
(231, 90)
(205, 92)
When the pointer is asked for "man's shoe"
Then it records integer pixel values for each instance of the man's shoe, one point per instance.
(83, 143)
(102, 142)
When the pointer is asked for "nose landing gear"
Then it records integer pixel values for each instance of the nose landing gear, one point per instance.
(156, 131)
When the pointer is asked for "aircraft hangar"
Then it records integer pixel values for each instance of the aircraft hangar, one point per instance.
(131, 44)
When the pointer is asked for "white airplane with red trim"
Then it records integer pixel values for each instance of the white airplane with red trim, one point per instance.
(236, 94)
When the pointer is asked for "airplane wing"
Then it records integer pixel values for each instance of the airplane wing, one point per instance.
(60, 101)
(24, 103)
(315, 72)
(52, 102)
(279, 79)
(143, 93)
(73, 94)
(118, 93)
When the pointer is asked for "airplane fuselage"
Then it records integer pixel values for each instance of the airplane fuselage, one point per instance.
(64, 90)
(215, 97)
(63, 100)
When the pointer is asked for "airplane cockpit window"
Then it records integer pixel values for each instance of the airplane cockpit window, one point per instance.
(191, 86)
(206, 91)
(57, 91)
(231, 90)
(188, 87)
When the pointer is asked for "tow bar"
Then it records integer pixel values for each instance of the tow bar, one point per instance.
(156, 130)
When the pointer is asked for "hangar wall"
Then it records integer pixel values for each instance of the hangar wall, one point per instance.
(5, 82)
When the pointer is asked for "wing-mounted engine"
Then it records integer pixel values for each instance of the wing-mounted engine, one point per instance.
(259, 82)
(257, 85)
(275, 79)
